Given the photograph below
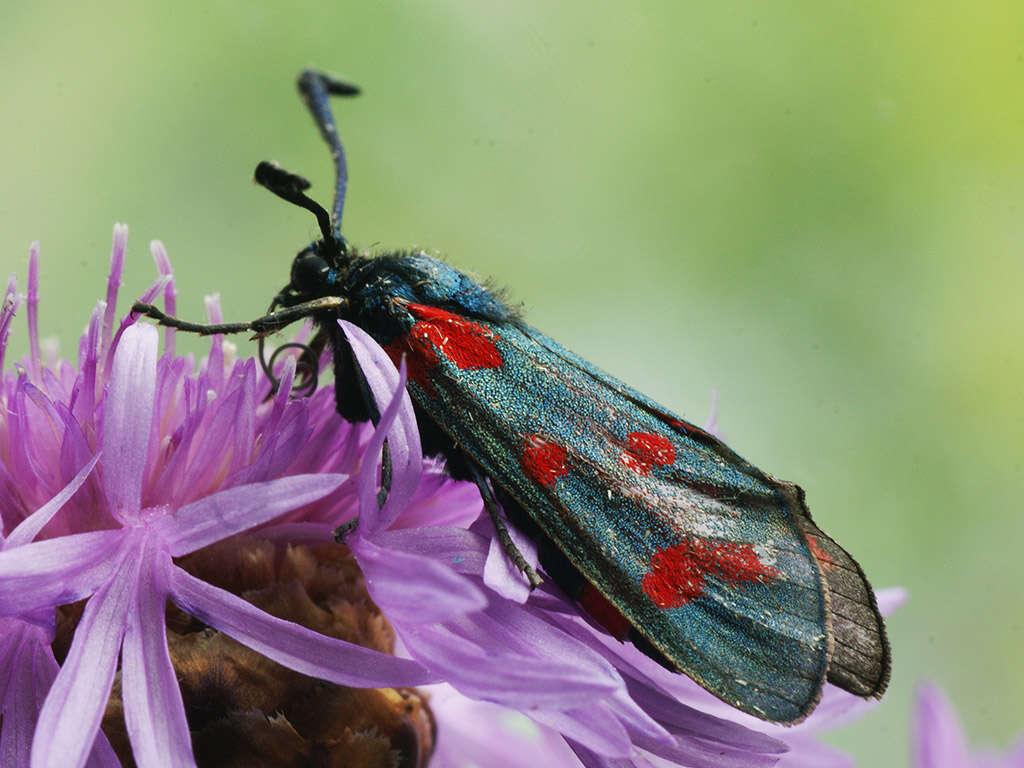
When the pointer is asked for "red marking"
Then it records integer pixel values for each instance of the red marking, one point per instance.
(419, 360)
(467, 344)
(646, 451)
(543, 461)
(602, 611)
(678, 573)
(685, 428)
(819, 554)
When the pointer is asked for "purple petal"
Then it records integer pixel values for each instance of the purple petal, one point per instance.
(686, 722)
(163, 267)
(32, 310)
(46, 669)
(639, 723)
(807, 752)
(20, 705)
(414, 589)
(686, 711)
(214, 370)
(212, 440)
(84, 405)
(114, 282)
(594, 727)
(386, 384)
(594, 760)
(463, 551)
(102, 755)
(70, 717)
(936, 737)
(43, 574)
(469, 731)
(439, 500)
(695, 753)
(835, 708)
(128, 418)
(10, 639)
(487, 672)
(711, 425)
(148, 296)
(8, 309)
(501, 574)
(153, 709)
(1015, 757)
(31, 525)
(528, 630)
(285, 382)
(243, 433)
(226, 513)
(506, 624)
(292, 645)
(891, 599)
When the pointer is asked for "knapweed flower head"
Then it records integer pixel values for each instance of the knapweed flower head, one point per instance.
(113, 470)
(938, 739)
(169, 537)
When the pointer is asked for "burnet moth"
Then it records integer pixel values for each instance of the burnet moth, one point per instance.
(662, 533)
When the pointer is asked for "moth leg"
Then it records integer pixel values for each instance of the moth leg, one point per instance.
(348, 526)
(385, 474)
(343, 530)
(269, 323)
(500, 527)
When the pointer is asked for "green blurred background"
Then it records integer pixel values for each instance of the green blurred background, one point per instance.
(815, 210)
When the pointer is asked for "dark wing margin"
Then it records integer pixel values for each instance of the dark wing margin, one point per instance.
(861, 658)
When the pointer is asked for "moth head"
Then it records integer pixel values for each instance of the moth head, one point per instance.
(316, 272)
(316, 268)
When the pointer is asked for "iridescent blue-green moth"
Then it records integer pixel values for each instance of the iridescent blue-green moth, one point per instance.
(662, 533)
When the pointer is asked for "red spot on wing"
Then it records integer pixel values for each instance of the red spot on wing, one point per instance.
(647, 450)
(678, 573)
(466, 344)
(543, 461)
(601, 610)
(819, 554)
(420, 359)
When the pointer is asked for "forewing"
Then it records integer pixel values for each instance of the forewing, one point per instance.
(860, 662)
(705, 555)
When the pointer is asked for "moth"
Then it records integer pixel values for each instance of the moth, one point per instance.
(663, 534)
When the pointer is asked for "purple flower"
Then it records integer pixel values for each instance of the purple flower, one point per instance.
(122, 476)
(939, 741)
(109, 473)
(468, 728)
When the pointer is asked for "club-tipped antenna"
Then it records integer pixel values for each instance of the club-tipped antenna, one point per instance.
(316, 89)
(291, 187)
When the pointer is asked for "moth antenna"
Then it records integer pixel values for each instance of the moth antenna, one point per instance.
(291, 187)
(316, 89)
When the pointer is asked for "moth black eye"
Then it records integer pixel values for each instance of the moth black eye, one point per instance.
(310, 272)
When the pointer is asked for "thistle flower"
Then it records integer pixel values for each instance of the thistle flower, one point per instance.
(938, 739)
(129, 479)
(112, 471)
